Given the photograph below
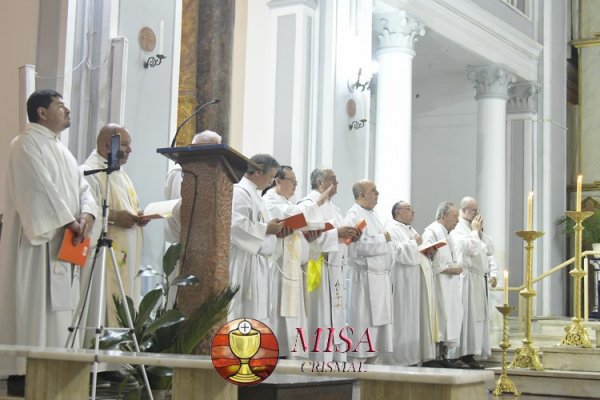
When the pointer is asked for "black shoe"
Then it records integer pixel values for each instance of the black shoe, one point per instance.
(15, 385)
(471, 362)
(459, 364)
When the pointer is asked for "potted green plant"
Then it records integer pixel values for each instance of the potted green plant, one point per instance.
(591, 229)
(160, 329)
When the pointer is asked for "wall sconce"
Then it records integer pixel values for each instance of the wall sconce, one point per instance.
(147, 40)
(351, 112)
(366, 85)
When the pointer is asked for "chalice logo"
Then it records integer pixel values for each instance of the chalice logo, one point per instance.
(244, 351)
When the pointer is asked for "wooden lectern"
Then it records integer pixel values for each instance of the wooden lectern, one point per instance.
(209, 172)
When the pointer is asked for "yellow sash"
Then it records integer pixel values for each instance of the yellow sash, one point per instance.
(313, 273)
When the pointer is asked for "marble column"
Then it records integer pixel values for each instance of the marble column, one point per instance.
(215, 60)
(294, 23)
(491, 84)
(396, 34)
(187, 71)
(522, 126)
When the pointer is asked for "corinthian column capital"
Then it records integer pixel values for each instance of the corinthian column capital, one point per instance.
(522, 97)
(491, 80)
(397, 30)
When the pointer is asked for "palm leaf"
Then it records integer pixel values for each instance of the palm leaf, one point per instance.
(147, 305)
(202, 320)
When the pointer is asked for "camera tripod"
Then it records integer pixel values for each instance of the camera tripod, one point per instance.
(104, 246)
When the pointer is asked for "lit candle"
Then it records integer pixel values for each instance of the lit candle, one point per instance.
(161, 38)
(578, 199)
(505, 286)
(530, 211)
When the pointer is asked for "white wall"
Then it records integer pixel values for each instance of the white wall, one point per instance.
(444, 154)
(18, 39)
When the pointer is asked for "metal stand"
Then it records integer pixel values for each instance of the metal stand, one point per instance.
(527, 356)
(104, 244)
(575, 333)
(504, 384)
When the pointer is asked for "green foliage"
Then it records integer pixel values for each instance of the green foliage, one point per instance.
(162, 330)
(591, 227)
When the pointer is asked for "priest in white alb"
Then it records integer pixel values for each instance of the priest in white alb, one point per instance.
(253, 241)
(370, 259)
(447, 281)
(474, 250)
(124, 225)
(326, 281)
(289, 311)
(406, 281)
(45, 194)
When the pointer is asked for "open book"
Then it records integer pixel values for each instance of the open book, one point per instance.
(159, 209)
(360, 225)
(73, 254)
(295, 221)
(319, 227)
(425, 247)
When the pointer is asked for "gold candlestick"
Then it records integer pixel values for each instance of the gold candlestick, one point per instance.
(575, 333)
(527, 356)
(504, 384)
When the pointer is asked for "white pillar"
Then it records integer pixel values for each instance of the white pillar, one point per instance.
(293, 121)
(396, 33)
(491, 84)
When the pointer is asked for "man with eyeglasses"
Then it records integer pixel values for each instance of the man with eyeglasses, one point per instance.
(253, 240)
(474, 250)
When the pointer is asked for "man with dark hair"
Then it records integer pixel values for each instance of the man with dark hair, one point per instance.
(253, 241)
(46, 194)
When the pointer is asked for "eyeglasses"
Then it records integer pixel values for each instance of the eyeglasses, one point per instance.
(294, 182)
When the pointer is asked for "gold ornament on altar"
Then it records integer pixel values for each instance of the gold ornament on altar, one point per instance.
(504, 383)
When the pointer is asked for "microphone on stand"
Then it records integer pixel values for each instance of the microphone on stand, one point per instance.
(185, 121)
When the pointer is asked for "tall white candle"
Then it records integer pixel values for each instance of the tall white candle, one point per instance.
(505, 286)
(578, 198)
(161, 38)
(530, 211)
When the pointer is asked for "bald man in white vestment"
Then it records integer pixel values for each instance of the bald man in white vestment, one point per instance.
(124, 226)
(173, 187)
(46, 194)
(253, 242)
(474, 250)
(406, 284)
(447, 280)
(371, 259)
(326, 290)
(289, 311)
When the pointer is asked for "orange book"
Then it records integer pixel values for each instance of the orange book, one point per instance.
(424, 248)
(360, 225)
(73, 254)
(328, 226)
(295, 221)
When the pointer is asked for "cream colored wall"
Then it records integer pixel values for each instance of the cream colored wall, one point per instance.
(589, 89)
(18, 40)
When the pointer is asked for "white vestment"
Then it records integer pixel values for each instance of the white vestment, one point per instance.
(473, 255)
(449, 301)
(406, 286)
(126, 242)
(289, 310)
(326, 304)
(173, 191)
(38, 293)
(249, 254)
(370, 261)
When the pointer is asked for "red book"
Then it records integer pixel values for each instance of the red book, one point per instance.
(360, 225)
(73, 254)
(424, 248)
(328, 226)
(295, 221)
